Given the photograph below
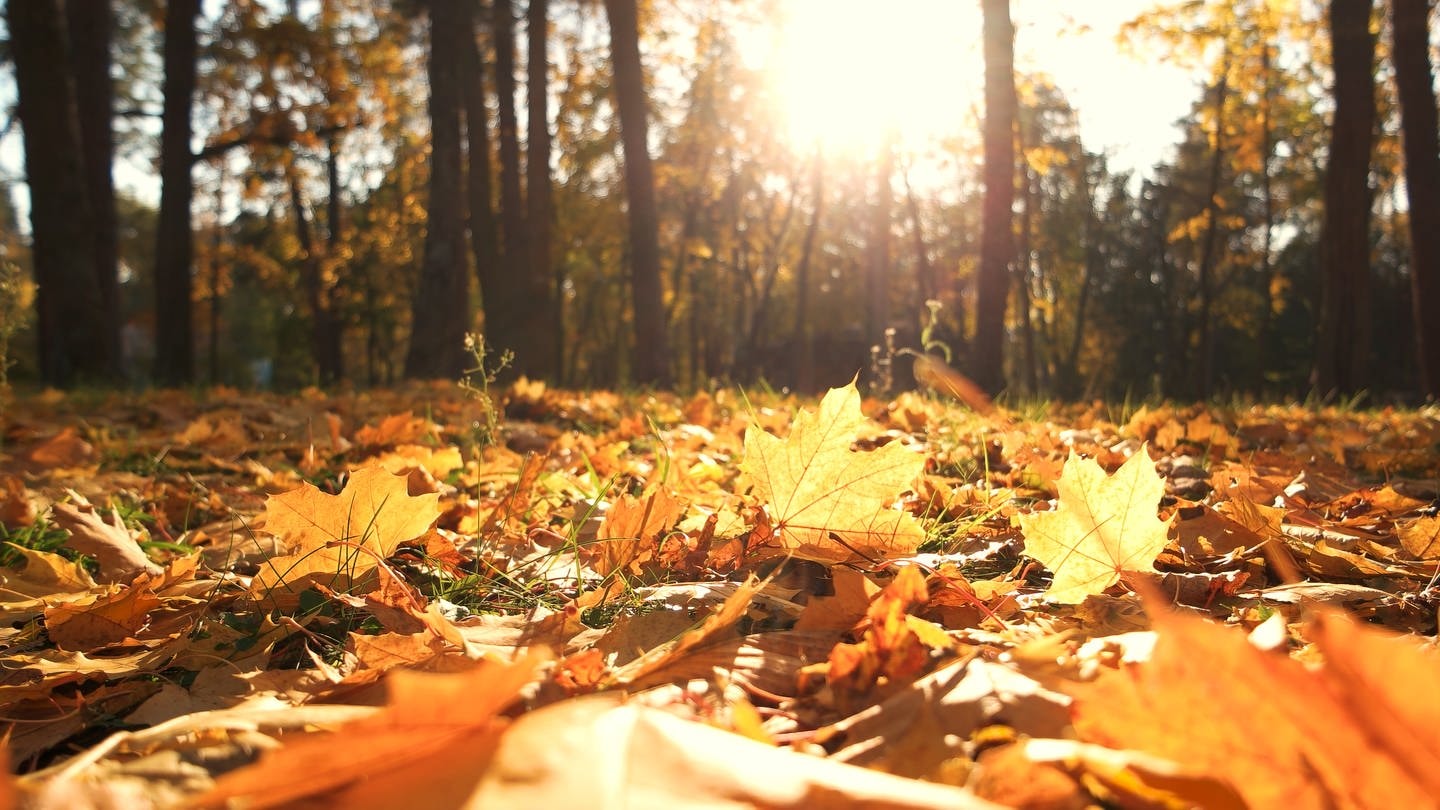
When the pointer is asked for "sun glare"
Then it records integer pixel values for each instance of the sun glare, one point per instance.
(850, 74)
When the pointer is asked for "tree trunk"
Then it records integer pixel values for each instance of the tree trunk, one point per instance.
(542, 338)
(1343, 350)
(1212, 231)
(1029, 372)
(74, 341)
(1414, 78)
(804, 335)
(440, 312)
(324, 347)
(174, 330)
(877, 276)
(484, 230)
(514, 255)
(651, 355)
(997, 246)
(91, 26)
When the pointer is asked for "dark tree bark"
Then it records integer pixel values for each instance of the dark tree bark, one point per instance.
(325, 343)
(1343, 350)
(91, 26)
(440, 312)
(484, 230)
(997, 247)
(542, 343)
(1415, 80)
(1210, 246)
(174, 246)
(651, 356)
(74, 341)
(514, 255)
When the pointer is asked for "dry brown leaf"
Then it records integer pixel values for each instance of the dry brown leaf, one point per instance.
(1103, 527)
(933, 373)
(843, 609)
(961, 697)
(594, 753)
(110, 619)
(120, 558)
(64, 449)
(828, 502)
(715, 627)
(16, 507)
(44, 574)
(1421, 537)
(1362, 731)
(342, 536)
(633, 526)
(426, 749)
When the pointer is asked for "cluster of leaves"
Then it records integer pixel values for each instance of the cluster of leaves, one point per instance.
(283, 600)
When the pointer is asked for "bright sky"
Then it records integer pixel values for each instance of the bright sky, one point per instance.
(932, 80)
(847, 75)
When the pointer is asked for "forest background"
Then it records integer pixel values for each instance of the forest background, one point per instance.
(609, 190)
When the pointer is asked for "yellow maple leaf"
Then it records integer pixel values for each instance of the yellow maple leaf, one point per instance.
(828, 502)
(1103, 526)
(342, 535)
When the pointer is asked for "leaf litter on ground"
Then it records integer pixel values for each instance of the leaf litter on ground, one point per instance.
(228, 598)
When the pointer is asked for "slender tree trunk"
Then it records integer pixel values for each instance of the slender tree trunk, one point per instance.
(1414, 77)
(924, 268)
(877, 271)
(324, 345)
(651, 355)
(804, 335)
(1212, 232)
(1343, 350)
(514, 255)
(1068, 379)
(1030, 373)
(751, 354)
(997, 247)
(70, 311)
(542, 343)
(91, 25)
(441, 310)
(1267, 245)
(484, 230)
(217, 237)
(174, 245)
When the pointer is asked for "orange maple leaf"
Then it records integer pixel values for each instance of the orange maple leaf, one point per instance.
(1361, 731)
(427, 748)
(342, 536)
(829, 502)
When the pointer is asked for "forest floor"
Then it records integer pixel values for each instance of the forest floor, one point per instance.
(433, 598)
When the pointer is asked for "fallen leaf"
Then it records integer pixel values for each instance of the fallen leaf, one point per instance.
(828, 502)
(16, 508)
(594, 752)
(44, 574)
(933, 373)
(342, 536)
(426, 749)
(64, 449)
(1421, 537)
(1103, 527)
(110, 619)
(633, 526)
(1362, 731)
(120, 558)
